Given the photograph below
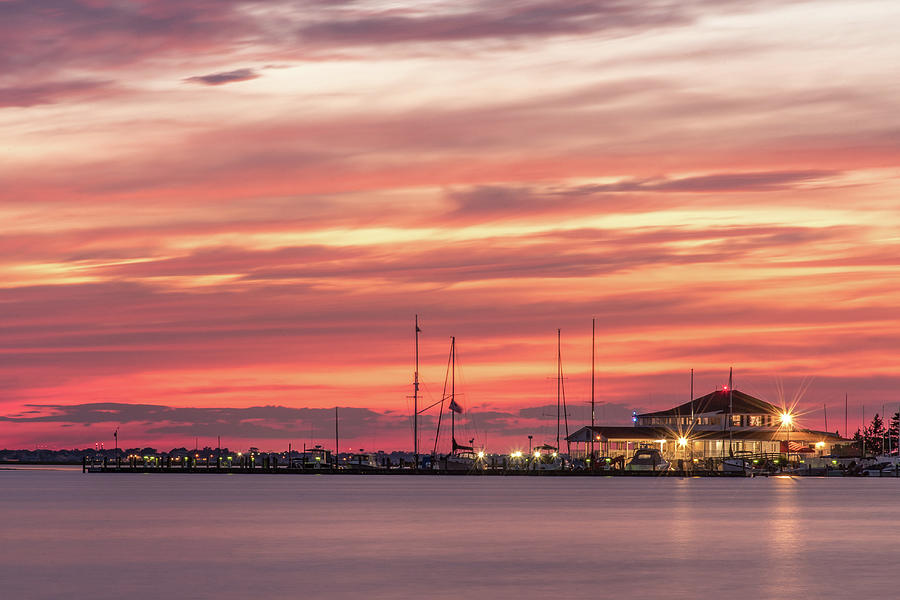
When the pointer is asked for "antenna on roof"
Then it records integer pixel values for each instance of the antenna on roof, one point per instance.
(692, 397)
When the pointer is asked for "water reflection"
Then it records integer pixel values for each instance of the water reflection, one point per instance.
(230, 537)
(781, 538)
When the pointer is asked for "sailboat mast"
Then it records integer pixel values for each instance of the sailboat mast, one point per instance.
(558, 383)
(452, 393)
(730, 411)
(593, 345)
(337, 445)
(416, 399)
(565, 410)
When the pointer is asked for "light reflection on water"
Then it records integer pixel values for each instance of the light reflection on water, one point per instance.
(279, 536)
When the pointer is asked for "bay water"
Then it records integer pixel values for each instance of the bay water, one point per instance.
(64, 534)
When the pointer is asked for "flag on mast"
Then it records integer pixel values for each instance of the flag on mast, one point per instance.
(455, 407)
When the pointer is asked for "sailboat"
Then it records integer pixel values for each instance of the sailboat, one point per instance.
(547, 457)
(462, 457)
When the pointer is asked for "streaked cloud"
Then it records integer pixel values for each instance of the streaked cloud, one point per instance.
(224, 77)
(714, 182)
(49, 93)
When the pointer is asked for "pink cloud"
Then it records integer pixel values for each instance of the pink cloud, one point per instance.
(192, 259)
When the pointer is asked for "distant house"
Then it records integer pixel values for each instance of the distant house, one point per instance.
(720, 424)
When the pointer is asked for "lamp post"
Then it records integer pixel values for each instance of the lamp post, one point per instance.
(682, 442)
(786, 421)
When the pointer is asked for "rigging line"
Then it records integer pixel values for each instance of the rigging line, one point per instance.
(562, 382)
(437, 434)
(409, 416)
(430, 406)
(428, 392)
(470, 426)
(561, 392)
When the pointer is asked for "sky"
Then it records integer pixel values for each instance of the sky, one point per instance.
(220, 218)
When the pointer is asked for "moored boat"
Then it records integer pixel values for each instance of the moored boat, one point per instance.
(313, 458)
(647, 459)
(360, 462)
(546, 458)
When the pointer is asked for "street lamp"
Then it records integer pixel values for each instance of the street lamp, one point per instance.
(682, 443)
(786, 420)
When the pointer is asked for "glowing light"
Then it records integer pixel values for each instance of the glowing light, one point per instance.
(682, 441)
(554, 455)
(786, 418)
(537, 454)
(481, 454)
(820, 445)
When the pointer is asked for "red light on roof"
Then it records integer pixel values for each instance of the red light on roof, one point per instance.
(725, 388)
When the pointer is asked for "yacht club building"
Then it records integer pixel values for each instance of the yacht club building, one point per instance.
(720, 424)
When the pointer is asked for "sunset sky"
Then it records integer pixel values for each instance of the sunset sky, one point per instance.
(219, 217)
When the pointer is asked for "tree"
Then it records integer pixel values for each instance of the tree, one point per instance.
(893, 431)
(873, 435)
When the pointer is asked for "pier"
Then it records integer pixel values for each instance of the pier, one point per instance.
(270, 465)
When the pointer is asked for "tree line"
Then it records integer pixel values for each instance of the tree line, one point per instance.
(875, 438)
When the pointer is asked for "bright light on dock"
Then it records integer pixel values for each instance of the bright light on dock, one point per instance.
(786, 418)
(682, 441)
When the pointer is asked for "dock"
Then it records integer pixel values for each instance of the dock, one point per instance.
(272, 467)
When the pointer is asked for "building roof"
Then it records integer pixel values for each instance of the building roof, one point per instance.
(585, 434)
(718, 402)
(619, 433)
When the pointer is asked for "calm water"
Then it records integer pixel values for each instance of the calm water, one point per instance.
(68, 535)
